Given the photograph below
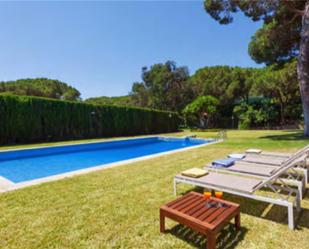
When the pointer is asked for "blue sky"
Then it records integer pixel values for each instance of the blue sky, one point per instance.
(100, 47)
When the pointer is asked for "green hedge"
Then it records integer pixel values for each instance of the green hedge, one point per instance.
(26, 119)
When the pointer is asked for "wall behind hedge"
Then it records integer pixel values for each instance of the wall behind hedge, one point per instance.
(32, 119)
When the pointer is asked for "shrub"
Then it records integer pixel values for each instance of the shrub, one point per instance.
(32, 119)
(257, 113)
(201, 111)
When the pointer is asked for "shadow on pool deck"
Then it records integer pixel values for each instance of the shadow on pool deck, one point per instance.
(228, 238)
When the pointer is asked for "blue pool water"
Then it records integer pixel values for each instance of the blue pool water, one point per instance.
(29, 164)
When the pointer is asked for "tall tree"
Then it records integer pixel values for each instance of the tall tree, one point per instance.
(280, 84)
(223, 82)
(140, 95)
(165, 86)
(227, 84)
(284, 35)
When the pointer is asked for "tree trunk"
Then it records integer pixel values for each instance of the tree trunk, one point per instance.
(303, 67)
(282, 114)
(281, 103)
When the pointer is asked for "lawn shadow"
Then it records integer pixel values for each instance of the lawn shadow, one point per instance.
(302, 219)
(265, 210)
(296, 135)
(271, 212)
(228, 238)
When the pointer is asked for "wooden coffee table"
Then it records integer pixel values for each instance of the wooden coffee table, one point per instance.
(190, 210)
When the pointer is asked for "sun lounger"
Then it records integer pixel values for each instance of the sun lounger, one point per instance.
(263, 171)
(301, 165)
(265, 166)
(245, 187)
(275, 158)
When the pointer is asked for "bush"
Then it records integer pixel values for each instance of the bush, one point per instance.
(32, 119)
(201, 111)
(259, 112)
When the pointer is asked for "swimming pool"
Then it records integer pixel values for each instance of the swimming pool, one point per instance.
(19, 166)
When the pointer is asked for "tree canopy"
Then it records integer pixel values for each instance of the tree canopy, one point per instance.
(278, 39)
(223, 82)
(228, 85)
(41, 87)
(165, 86)
(283, 36)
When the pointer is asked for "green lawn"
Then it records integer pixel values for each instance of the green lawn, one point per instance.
(119, 207)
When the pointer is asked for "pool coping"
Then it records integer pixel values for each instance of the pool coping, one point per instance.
(7, 185)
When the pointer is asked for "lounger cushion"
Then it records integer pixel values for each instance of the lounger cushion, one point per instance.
(226, 162)
(253, 151)
(237, 156)
(194, 172)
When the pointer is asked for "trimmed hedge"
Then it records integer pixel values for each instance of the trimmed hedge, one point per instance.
(26, 119)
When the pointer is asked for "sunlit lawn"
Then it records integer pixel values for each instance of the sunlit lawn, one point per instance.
(119, 207)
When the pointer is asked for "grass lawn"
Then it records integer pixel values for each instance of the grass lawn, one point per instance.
(119, 207)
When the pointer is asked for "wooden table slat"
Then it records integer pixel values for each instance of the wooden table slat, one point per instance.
(170, 204)
(223, 217)
(198, 213)
(196, 209)
(207, 213)
(176, 204)
(190, 207)
(215, 214)
(186, 204)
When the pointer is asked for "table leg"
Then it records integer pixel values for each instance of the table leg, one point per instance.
(211, 241)
(162, 222)
(237, 222)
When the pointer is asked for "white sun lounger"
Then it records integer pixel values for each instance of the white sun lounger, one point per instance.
(262, 171)
(247, 186)
(281, 154)
(272, 160)
(275, 158)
